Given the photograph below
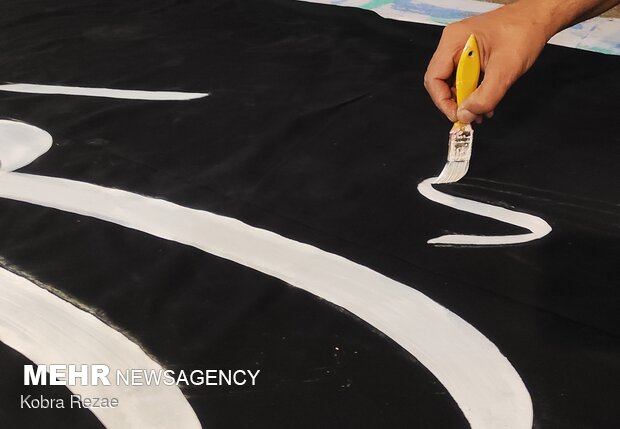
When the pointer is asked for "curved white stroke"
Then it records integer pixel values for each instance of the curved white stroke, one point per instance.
(127, 94)
(48, 330)
(480, 379)
(21, 143)
(538, 227)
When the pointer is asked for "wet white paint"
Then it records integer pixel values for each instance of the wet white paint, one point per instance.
(480, 379)
(127, 94)
(47, 329)
(536, 226)
(20, 144)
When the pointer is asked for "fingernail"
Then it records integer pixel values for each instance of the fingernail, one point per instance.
(465, 116)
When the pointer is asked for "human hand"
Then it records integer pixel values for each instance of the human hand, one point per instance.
(509, 41)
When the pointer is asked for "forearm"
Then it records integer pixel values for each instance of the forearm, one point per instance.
(556, 15)
(510, 39)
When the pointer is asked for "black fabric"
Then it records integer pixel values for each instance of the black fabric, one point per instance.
(318, 128)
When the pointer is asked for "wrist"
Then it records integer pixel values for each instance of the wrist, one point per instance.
(551, 16)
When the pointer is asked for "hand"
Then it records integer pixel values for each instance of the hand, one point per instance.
(509, 41)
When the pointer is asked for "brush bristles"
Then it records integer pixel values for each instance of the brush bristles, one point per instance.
(452, 172)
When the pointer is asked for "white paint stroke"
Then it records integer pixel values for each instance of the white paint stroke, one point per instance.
(48, 330)
(21, 143)
(538, 227)
(127, 94)
(481, 380)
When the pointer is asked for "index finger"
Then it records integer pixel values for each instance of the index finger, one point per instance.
(440, 69)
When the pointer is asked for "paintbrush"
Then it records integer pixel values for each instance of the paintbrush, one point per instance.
(462, 135)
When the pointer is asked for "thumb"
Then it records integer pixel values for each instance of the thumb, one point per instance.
(486, 97)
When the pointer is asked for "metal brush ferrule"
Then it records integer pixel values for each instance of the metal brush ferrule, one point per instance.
(459, 146)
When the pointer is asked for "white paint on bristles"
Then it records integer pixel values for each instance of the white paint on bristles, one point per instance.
(536, 226)
(48, 330)
(127, 94)
(485, 386)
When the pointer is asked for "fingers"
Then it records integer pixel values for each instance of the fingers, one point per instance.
(440, 69)
(487, 96)
(500, 74)
(465, 116)
(442, 97)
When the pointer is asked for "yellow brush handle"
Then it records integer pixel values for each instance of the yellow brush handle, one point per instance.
(467, 70)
